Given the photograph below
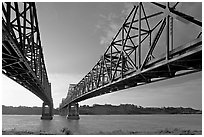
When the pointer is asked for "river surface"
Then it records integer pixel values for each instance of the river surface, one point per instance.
(89, 124)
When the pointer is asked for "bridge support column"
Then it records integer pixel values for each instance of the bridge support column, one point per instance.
(47, 115)
(73, 111)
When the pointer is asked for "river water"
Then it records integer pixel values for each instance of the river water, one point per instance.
(89, 124)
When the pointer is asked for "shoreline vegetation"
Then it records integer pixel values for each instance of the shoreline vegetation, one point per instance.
(66, 131)
(107, 109)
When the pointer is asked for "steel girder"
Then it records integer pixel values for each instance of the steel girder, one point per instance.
(130, 60)
(22, 53)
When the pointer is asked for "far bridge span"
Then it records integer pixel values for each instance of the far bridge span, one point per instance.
(143, 51)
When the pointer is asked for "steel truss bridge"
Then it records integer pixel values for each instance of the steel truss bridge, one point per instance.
(132, 58)
(22, 53)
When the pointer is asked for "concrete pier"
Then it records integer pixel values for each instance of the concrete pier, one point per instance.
(73, 111)
(47, 115)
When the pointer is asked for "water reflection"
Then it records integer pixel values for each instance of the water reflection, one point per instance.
(45, 125)
(58, 123)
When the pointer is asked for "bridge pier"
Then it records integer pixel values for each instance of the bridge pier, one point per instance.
(73, 111)
(47, 115)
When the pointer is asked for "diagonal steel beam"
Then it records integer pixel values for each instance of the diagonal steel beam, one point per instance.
(154, 43)
(180, 14)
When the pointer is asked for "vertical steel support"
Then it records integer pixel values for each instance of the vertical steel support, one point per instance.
(123, 38)
(103, 76)
(31, 37)
(40, 56)
(33, 56)
(122, 65)
(135, 48)
(97, 75)
(8, 17)
(139, 36)
(111, 59)
(24, 29)
(167, 37)
(92, 86)
(171, 32)
(18, 22)
(167, 31)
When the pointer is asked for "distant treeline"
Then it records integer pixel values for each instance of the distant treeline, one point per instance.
(23, 110)
(133, 109)
(103, 110)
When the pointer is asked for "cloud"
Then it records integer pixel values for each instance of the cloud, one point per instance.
(110, 32)
(109, 24)
(108, 27)
(128, 7)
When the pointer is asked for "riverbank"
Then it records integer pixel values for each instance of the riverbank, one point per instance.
(66, 131)
(175, 131)
(25, 132)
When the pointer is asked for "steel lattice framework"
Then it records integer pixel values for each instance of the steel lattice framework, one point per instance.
(131, 59)
(22, 53)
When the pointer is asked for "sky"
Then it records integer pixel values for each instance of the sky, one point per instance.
(75, 35)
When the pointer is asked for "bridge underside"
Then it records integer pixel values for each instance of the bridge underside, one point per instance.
(22, 56)
(183, 60)
(15, 66)
(134, 55)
